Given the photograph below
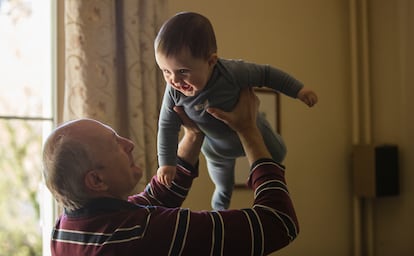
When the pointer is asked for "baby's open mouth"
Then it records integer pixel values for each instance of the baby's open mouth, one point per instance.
(185, 87)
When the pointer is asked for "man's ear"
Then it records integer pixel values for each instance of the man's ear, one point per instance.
(94, 181)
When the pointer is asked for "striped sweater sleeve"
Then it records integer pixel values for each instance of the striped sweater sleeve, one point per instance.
(267, 226)
(157, 194)
(272, 202)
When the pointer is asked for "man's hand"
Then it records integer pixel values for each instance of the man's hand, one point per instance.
(243, 116)
(188, 124)
(242, 119)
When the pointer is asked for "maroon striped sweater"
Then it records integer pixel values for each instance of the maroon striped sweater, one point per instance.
(151, 223)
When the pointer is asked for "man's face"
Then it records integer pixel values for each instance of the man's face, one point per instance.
(113, 156)
(185, 73)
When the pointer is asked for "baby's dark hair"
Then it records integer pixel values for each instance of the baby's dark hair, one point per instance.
(186, 30)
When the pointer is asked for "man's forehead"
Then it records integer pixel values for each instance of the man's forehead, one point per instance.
(83, 128)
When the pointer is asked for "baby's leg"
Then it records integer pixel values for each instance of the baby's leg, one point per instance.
(222, 174)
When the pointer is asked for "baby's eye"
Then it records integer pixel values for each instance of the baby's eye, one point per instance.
(183, 71)
(165, 71)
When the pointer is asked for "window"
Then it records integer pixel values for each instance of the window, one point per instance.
(27, 79)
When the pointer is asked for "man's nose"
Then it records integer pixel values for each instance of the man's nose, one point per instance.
(128, 144)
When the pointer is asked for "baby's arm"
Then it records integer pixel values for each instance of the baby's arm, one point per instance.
(167, 139)
(288, 85)
(308, 96)
(264, 75)
(193, 138)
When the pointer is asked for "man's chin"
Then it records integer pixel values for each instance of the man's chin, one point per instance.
(136, 188)
(138, 176)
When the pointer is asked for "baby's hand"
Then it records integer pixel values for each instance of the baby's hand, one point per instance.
(166, 174)
(309, 97)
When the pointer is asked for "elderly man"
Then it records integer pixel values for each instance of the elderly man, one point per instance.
(90, 170)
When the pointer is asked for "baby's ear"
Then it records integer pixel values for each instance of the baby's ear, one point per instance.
(212, 60)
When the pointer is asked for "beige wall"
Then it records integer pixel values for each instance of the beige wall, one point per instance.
(392, 62)
(311, 40)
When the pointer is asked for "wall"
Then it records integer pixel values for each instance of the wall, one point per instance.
(392, 86)
(308, 39)
(311, 40)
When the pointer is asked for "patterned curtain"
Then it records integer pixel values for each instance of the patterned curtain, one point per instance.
(110, 70)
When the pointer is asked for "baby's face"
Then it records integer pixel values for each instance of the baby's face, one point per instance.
(185, 73)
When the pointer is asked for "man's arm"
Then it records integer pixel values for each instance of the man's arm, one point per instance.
(187, 169)
(272, 220)
(190, 145)
(270, 224)
(239, 119)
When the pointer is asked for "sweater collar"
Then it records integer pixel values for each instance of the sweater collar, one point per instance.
(101, 205)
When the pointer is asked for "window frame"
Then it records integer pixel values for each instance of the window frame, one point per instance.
(48, 206)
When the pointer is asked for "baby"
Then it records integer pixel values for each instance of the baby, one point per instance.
(186, 53)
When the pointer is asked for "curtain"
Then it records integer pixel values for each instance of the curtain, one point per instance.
(110, 69)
